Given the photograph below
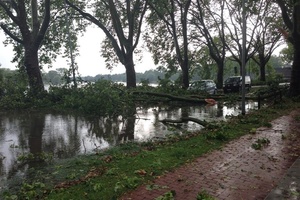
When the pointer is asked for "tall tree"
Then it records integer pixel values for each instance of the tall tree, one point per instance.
(267, 37)
(208, 19)
(169, 42)
(38, 33)
(121, 21)
(234, 28)
(290, 10)
(22, 23)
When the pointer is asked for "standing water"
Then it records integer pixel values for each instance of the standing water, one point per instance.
(65, 136)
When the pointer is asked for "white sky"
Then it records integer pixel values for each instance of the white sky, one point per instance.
(90, 62)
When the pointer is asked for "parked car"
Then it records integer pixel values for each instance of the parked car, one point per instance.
(234, 84)
(208, 86)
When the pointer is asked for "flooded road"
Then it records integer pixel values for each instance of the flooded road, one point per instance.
(65, 136)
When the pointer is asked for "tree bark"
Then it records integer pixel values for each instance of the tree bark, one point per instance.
(31, 63)
(191, 99)
(185, 76)
(262, 73)
(262, 67)
(295, 76)
(130, 73)
(220, 73)
(185, 119)
(185, 64)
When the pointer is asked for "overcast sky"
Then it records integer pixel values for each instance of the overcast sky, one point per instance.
(89, 62)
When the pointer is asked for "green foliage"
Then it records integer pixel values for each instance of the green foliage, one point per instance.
(287, 53)
(103, 98)
(170, 195)
(56, 36)
(167, 38)
(31, 191)
(276, 61)
(260, 143)
(203, 66)
(145, 82)
(170, 87)
(28, 191)
(203, 195)
(29, 157)
(223, 133)
(13, 92)
(53, 77)
(220, 135)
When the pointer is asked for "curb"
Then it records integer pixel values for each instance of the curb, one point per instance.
(289, 186)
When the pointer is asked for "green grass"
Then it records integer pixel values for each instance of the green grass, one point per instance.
(109, 174)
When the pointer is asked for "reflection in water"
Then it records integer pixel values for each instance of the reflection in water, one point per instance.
(127, 131)
(36, 124)
(65, 136)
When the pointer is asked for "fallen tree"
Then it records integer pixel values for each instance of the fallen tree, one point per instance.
(185, 119)
(188, 99)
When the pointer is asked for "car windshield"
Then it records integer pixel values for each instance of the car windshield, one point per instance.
(233, 80)
(200, 85)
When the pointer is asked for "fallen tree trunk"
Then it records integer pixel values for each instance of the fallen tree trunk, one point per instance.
(170, 97)
(185, 119)
(190, 98)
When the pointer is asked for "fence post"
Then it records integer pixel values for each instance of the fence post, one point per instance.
(258, 101)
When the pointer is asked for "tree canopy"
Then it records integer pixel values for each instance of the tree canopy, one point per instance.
(290, 11)
(37, 30)
(121, 21)
(177, 32)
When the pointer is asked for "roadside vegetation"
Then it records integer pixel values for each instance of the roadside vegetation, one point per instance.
(110, 173)
(103, 97)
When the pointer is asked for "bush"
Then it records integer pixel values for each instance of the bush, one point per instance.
(103, 98)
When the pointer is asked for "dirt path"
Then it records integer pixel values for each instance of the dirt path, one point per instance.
(236, 172)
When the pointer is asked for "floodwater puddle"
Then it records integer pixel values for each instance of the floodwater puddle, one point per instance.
(65, 136)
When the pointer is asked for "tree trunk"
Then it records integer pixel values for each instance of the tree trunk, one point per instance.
(185, 76)
(262, 68)
(130, 73)
(220, 75)
(31, 63)
(295, 80)
(262, 63)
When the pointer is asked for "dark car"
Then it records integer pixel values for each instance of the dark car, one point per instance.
(208, 86)
(234, 84)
